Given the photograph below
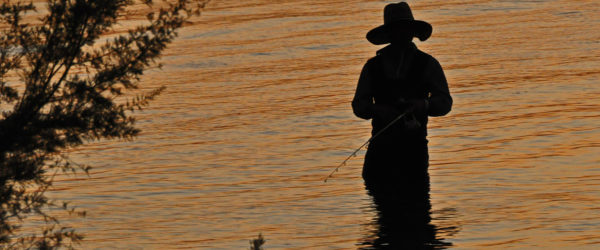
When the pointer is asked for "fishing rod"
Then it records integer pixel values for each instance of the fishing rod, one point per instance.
(364, 144)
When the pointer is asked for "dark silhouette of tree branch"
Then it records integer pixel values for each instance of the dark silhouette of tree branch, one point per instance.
(59, 82)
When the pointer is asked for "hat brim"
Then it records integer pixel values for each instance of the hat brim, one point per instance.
(382, 34)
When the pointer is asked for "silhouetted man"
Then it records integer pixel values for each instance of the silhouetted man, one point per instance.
(400, 79)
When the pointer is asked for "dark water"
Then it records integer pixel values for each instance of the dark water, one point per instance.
(257, 112)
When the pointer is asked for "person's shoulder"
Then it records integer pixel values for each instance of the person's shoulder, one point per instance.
(373, 61)
(429, 59)
(375, 58)
(425, 55)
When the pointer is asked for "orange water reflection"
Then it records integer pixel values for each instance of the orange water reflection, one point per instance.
(257, 113)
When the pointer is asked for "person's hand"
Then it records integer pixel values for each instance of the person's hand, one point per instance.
(418, 107)
(386, 113)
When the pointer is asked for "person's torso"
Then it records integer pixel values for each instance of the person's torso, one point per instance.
(389, 88)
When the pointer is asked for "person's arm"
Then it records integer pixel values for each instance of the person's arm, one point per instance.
(440, 101)
(362, 104)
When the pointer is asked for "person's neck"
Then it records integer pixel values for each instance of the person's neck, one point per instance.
(402, 44)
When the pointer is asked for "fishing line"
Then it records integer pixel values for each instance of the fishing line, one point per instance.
(364, 144)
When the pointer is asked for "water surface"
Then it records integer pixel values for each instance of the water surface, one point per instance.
(257, 112)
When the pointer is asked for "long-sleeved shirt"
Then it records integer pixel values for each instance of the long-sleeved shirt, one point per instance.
(395, 63)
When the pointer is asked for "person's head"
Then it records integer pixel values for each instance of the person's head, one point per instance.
(401, 37)
(399, 26)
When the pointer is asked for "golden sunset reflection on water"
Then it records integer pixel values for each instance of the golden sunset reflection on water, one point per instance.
(257, 113)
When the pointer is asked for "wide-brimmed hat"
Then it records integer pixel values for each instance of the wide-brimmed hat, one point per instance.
(397, 17)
